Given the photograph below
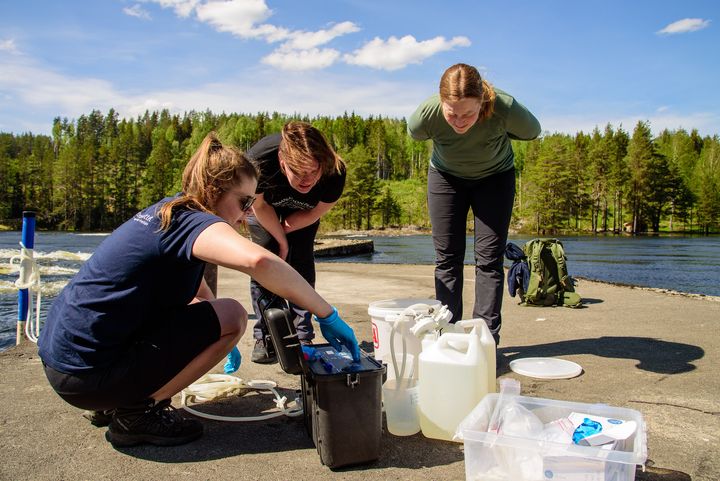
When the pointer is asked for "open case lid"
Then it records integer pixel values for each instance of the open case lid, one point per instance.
(279, 322)
(330, 362)
(545, 368)
(326, 361)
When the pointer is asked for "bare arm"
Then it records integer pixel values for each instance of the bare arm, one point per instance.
(221, 245)
(265, 214)
(303, 218)
(204, 292)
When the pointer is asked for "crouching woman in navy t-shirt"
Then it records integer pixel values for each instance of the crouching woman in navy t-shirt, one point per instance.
(138, 323)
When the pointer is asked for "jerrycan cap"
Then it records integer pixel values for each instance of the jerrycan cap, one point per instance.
(545, 368)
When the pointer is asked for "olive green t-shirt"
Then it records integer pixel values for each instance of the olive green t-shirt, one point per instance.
(483, 150)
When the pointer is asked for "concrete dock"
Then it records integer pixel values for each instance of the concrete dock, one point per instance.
(651, 351)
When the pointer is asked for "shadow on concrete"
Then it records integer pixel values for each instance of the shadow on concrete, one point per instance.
(660, 474)
(224, 439)
(591, 300)
(656, 355)
(411, 452)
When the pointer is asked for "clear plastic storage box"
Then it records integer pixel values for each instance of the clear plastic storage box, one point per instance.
(491, 456)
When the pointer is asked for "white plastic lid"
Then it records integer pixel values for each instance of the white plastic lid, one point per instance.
(395, 306)
(545, 368)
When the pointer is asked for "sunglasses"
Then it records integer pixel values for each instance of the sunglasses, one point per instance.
(247, 202)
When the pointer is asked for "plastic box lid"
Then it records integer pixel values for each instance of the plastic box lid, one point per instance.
(474, 428)
(330, 362)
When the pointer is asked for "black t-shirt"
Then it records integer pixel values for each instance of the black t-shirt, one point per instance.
(275, 187)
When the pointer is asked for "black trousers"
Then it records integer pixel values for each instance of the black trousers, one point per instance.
(301, 257)
(449, 200)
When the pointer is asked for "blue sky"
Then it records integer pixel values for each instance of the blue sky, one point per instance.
(575, 64)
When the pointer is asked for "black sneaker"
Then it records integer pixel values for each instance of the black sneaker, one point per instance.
(159, 424)
(99, 418)
(264, 351)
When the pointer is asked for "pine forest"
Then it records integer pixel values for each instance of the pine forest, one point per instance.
(95, 172)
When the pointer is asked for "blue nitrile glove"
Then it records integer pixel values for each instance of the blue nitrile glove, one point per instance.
(233, 361)
(338, 333)
(309, 353)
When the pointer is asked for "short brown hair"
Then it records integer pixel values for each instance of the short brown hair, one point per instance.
(463, 81)
(302, 143)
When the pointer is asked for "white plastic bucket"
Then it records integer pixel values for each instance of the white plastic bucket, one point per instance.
(400, 404)
(382, 328)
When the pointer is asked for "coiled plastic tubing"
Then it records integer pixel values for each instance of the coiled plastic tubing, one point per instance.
(218, 386)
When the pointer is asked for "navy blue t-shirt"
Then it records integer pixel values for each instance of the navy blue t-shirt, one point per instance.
(275, 187)
(137, 275)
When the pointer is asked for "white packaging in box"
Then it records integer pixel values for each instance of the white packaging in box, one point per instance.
(611, 429)
(569, 468)
(503, 457)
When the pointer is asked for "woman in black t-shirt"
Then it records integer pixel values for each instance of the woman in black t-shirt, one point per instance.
(301, 179)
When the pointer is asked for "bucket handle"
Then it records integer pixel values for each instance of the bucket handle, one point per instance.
(393, 330)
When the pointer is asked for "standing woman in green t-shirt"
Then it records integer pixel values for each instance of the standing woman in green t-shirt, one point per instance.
(472, 167)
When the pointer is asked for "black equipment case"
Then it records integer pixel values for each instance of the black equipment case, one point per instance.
(342, 400)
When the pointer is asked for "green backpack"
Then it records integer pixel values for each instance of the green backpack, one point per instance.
(550, 284)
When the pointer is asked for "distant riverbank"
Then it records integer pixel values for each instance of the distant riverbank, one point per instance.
(390, 231)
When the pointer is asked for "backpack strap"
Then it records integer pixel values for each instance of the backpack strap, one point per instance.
(559, 255)
(534, 247)
(567, 296)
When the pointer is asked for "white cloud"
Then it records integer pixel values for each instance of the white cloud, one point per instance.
(37, 87)
(311, 93)
(396, 53)
(306, 40)
(684, 26)
(32, 96)
(311, 59)
(299, 49)
(137, 11)
(9, 46)
(183, 8)
(241, 18)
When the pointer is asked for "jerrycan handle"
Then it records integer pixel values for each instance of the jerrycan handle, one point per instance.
(457, 341)
(470, 323)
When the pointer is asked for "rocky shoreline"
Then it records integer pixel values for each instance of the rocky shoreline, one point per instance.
(660, 290)
(333, 247)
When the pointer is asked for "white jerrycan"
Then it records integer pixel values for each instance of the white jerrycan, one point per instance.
(453, 380)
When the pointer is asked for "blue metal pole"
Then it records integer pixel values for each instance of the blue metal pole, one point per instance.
(28, 241)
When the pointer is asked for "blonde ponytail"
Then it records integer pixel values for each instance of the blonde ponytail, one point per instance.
(213, 169)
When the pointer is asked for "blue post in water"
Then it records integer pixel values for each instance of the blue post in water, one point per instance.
(28, 241)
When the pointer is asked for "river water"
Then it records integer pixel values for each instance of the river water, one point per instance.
(680, 263)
